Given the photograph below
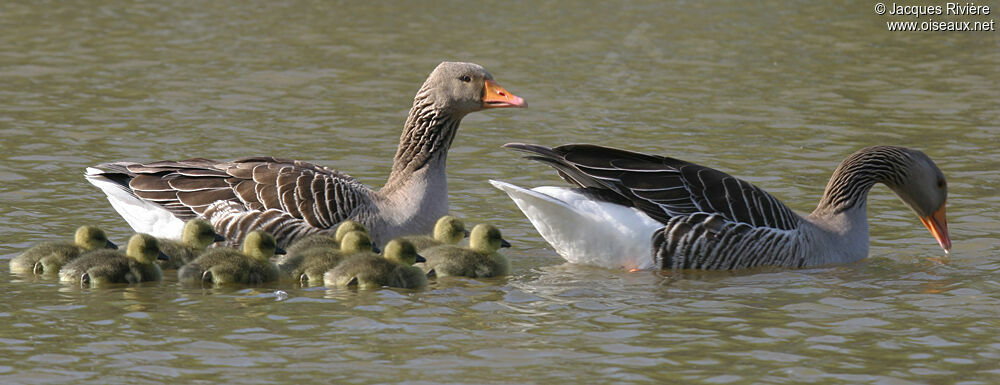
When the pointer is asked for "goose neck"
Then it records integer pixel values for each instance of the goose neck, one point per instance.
(424, 143)
(849, 186)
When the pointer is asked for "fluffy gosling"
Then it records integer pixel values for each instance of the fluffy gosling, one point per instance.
(309, 264)
(367, 271)
(136, 264)
(324, 239)
(480, 260)
(49, 257)
(196, 236)
(224, 265)
(447, 231)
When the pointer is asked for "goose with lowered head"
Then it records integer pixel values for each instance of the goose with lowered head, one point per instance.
(639, 211)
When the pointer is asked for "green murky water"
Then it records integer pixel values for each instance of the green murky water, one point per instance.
(777, 93)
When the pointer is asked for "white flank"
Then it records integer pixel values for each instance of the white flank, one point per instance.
(586, 231)
(143, 216)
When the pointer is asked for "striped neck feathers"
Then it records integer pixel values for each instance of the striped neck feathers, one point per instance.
(854, 178)
(426, 138)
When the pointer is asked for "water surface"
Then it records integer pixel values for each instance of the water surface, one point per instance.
(776, 93)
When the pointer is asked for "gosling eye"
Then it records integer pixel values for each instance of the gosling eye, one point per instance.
(940, 184)
(465, 78)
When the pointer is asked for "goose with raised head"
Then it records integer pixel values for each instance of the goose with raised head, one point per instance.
(307, 266)
(223, 265)
(393, 269)
(196, 236)
(49, 257)
(480, 260)
(100, 267)
(639, 211)
(447, 231)
(292, 199)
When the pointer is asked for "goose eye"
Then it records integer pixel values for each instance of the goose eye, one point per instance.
(465, 78)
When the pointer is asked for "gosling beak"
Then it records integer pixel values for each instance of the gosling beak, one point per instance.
(938, 225)
(504, 243)
(431, 273)
(219, 238)
(420, 258)
(163, 257)
(376, 250)
(495, 96)
(279, 251)
(465, 233)
(111, 245)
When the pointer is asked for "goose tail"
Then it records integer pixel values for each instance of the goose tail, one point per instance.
(586, 231)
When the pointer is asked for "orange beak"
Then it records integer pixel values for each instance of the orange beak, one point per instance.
(495, 96)
(938, 225)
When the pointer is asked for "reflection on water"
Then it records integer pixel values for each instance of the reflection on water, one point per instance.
(775, 93)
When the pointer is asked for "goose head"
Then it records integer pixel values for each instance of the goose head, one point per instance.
(402, 252)
(355, 242)
(450, 230)
(466, 87)
(260, 246)
(200, 233)
(923, 188)
(144, 248)
(346, 227)
(486, 238)
(92, 238)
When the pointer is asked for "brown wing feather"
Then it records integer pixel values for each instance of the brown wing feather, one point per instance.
(287, 197)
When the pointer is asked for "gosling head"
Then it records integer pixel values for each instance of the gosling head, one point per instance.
(260, 246)
(144, 248)
(486, 238)
(200, 234)
(450, 230)
(355, 242)
(403, 252)
(465, 87)
(922, 186)
(92, 238)
(346, 227)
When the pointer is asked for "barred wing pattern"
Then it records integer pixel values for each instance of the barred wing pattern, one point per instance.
(663, 187)
(711, 242)
(287, 198)
(712, 220)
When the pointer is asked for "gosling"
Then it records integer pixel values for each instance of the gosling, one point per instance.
(196, 236)
(309, 265)
(367, 271)
(49, 257)
(324, 239)
(447, 231)
(480, 260)
(229, 266)
(101, 267)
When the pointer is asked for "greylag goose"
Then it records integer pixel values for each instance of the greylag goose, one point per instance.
(479, 260)
(292, 199)
(640, 211)
(369, 271)
(308, 265)
(223, 265)
(49, 257)
(447, 231)
(196, 236)
(100, 267)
